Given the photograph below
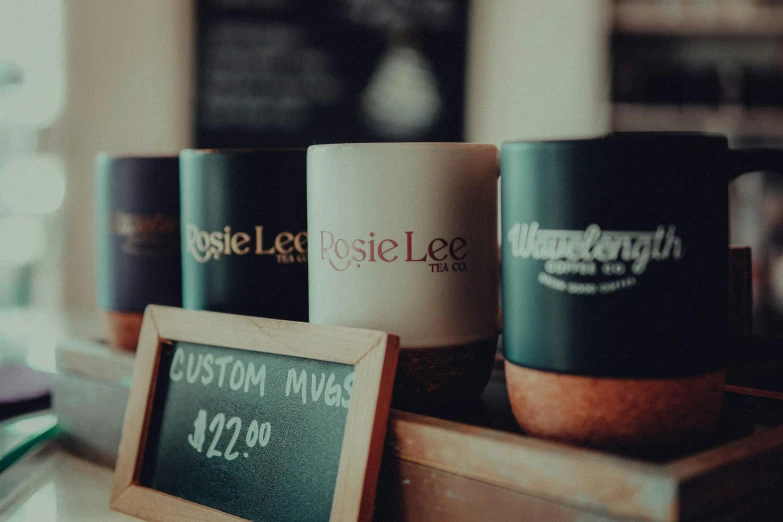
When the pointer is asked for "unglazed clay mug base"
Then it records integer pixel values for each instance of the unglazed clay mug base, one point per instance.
(403, 239)
(123, 329)
(636, 416)
(429, 379)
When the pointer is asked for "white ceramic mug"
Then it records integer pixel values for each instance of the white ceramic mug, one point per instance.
(403, 239)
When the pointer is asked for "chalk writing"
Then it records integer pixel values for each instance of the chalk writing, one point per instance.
(258, 434)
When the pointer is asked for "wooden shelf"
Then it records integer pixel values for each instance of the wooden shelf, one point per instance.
(732, 120)
(721, 17)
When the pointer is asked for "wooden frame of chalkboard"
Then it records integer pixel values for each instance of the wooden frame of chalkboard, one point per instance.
(373, 355)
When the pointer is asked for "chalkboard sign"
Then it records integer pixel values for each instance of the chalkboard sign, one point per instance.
(299, 72)
(241, 418)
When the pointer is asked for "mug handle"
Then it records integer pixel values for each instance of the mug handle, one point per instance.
(753, 348)
(755, 159)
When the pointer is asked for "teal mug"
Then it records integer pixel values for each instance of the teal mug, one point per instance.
(615, 285)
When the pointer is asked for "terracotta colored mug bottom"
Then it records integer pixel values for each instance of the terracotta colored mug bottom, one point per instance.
(653, 417)
(123, 329)
(432, 379)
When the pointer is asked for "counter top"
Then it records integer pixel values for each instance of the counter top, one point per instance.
(53, 485)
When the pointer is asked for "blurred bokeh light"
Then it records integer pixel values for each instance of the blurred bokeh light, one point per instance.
(33, 184)
(23, 239)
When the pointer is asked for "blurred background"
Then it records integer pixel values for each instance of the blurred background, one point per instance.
(155, 76)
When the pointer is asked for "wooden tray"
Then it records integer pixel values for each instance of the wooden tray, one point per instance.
(484, 468)
(476, 464)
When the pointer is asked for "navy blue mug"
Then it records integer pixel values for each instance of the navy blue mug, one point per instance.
(137, 240)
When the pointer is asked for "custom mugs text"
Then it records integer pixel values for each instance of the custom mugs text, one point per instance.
(287, 247)
(439, 254)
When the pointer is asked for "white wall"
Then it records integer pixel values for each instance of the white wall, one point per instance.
(536, 69)
(128, 91)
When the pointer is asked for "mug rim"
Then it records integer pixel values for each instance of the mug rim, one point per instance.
(134, 157)
(405, 144)
(642, 135)
(240, 151)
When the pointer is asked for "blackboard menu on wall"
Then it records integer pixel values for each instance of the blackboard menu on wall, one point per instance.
(301, 72)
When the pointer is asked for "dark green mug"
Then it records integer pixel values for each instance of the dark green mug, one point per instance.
(615, 275)
(244, 232)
